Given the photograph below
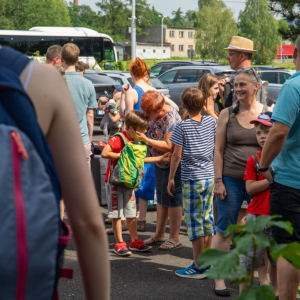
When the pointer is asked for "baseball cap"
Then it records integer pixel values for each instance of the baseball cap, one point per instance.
(118, 87)
(264, 118)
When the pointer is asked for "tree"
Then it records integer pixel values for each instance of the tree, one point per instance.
(178, 19)
(258, 24)
(289, 9)
(82, 15)
(190, 18)
(215, 27)
(202, 3)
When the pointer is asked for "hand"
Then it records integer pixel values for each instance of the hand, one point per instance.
(166, 157)
(125, 88)
(102, 99)
(268, 175)
(220, 190)
(171, 187)
(210, 106)
(138, 135)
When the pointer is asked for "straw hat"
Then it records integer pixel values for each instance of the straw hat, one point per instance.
(241, 44)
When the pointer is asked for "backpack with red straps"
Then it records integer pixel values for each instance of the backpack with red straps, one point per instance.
(32, 236)
(256, 159)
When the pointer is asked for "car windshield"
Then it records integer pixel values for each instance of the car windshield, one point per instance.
(100, 79)
(156, 83)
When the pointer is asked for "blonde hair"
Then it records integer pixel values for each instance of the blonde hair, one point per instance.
(207, 81)
(136, 119)
(70, 54)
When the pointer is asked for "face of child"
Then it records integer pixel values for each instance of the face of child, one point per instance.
(214, 90)
(261, 135)
(140, 130)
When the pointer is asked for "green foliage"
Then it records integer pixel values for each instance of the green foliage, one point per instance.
(284, 29)
(215, 28)
(227, 265)
(178, 19)
(257, 23)
(289, 10)
(24, 14)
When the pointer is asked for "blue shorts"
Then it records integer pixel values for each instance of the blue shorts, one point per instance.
(198, 207)
(228, 209)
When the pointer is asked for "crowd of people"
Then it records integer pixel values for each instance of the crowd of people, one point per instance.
(226, 159)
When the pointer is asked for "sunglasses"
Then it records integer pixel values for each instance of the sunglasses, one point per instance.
(254, 73)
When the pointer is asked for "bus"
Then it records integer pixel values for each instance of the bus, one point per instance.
(94, 47)
(287, 51)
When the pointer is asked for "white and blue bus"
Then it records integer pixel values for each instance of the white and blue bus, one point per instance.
(94, 47)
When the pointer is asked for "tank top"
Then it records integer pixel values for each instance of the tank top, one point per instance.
(140, 93)
(241, 144)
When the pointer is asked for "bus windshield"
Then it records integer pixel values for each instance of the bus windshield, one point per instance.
(97, 47)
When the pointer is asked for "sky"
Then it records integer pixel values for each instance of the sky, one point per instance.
(167, 6)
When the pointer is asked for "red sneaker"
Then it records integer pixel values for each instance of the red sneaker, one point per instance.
(139, 245)
(121, 249)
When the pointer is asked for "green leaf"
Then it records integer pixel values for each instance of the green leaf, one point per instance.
(210, 257)
(286, 225)
(250, 292)
(261, 239)
(232, 228)
(243, 243)
(290, 252)
(256, 225)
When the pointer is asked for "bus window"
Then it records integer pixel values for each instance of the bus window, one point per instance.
(39, 43)
(98, 49)
(84, 45)
(109, 55)
(16, 42)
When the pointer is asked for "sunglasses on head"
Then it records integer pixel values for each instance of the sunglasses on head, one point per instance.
(254, 73)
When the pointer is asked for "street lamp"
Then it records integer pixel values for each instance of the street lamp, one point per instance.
(162, 35)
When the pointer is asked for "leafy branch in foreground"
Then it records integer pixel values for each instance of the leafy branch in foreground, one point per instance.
(226, 265)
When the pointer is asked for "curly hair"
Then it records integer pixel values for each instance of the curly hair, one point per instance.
(152, 101)
(138, 68)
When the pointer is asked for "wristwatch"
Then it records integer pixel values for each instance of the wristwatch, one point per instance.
(263, 169)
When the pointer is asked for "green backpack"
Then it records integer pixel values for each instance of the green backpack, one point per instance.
(129, 170)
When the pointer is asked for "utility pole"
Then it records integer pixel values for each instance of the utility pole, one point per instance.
(162, 36)
(133, 32)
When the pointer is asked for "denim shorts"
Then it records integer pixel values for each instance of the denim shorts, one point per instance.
(228, 209)
(285, 202)
(161, 182)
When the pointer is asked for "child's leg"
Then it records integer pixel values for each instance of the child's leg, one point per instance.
(207, 241)
(198, 247)
(117, 229)
(242, 286)
(273, 278)
(131, 224)
(263, 271)
(143, 209)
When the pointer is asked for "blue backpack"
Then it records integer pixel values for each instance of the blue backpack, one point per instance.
(32, 237)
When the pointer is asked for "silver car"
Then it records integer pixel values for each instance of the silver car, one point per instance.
(276, 79)
(125, 77)
(177, 79)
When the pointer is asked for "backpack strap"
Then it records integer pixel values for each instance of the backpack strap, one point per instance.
(122, 136)
(256, 158)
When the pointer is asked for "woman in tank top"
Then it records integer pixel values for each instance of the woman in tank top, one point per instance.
(235, 143)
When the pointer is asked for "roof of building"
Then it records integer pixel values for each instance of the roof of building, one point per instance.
(183, 28)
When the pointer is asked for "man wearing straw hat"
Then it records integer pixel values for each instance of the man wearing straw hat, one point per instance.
(239, 56)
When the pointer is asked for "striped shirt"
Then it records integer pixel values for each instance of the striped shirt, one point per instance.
(197, 142)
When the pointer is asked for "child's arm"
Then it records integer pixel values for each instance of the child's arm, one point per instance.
(255, 187)
(109, 153)
(114, 118)
(166, 157)
(175, 160)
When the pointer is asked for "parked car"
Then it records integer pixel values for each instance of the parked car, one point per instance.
(177, 79)
(263, 68)
(125, 77)
(103, 85)
(276, 79)
(163, 67)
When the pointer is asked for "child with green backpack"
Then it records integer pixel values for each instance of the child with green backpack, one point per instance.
(124, 173)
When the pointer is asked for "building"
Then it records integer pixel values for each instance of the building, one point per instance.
(144, 50)
(181, 39)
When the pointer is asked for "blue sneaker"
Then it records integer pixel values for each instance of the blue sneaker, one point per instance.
(192, 272)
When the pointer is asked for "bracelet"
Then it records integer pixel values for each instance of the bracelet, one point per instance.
(218, 178)
(263, 169)
(148, 142)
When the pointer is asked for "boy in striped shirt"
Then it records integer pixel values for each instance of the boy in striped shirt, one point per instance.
(194, 145)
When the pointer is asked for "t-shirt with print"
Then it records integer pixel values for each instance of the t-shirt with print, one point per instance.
(286, 166)
(117, 144)
(260, 203)
(158, 128)
(84, 97)
(197, 142)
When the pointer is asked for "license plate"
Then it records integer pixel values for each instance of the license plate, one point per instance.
(100, 112)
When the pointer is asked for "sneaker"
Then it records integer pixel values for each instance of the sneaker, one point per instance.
(139, 245)
(192, 272)
(121, 249)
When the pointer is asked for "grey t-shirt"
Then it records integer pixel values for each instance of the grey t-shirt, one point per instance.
(84, 97)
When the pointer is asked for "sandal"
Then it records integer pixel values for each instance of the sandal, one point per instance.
(156, 242)
(171, 246)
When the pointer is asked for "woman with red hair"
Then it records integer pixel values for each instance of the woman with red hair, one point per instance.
(163, 120)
